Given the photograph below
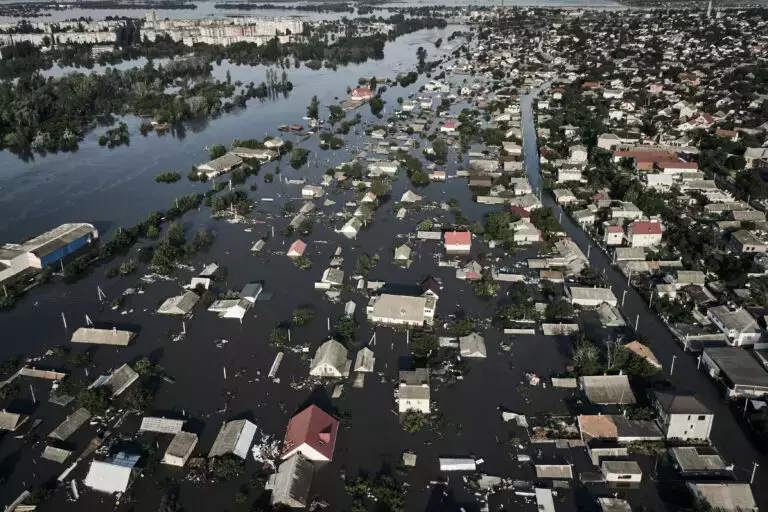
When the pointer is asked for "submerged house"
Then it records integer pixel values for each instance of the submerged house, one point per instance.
(330, 360)
(311, 433)
(179, 305)
(234, 438)
(291, 483)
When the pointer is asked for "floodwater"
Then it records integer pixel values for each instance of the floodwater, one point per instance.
(207, 9)
(116, 187)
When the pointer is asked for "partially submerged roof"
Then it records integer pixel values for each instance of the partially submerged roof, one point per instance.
(625, 467)
(118, 381)
(613, 505)
(722, 496)
(616, 427)
(102, 336)
(179, 305)
(472, 345)
(55, 454)
(181, 445)
(312, 429)
(234, 437)
(643, 351)
(607, 389)
(68, 427)
(562, 471)
(109, 478)
(364, 360)
(698, 459)
(10, 420)
(291, 483)
(161, 425)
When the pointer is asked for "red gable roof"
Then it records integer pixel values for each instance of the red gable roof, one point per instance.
(297, 247)
(615, 229)
(458, 238)
(678, 165)
(449, 124)
(525, 214)
(646, 228)
(312, 427)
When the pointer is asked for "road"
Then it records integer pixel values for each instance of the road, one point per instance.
(727, 434)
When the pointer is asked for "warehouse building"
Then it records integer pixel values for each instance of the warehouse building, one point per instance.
(44, 250)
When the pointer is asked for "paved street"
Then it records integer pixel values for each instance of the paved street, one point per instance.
(727, 434)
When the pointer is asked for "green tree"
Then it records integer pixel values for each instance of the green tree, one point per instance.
(345, 328)
(302, 316)
(559, 309)
(423, 346)
(95, 400)
(380, 187)
(414, 421)
(313, 108)
(217, 150)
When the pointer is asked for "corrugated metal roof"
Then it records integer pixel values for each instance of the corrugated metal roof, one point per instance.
(161, 425)
(68, 427)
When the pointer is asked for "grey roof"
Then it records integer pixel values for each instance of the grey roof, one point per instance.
(330, 353)
(413, 392)
(698, 459)
(120, 379)
(544, 501)
(180, 304)
(102, 336)
(614, 505)
(365, 360)
(56, 238)
(10, 420)
(181, 445)
(291, 484)
(556, 471)
(399, 307)
(251, 290)
(630, 253)
(723, 496)
(691, 277)
(624, 467)
(472, 345)
(738, 319)
(73, 422)
(55, 454)
(417, 376)
(585, 293)
(162, 425)
(674, 403)
(222, 163)
(229, 437)
(739, 366)
(402, 252)
(607, 389)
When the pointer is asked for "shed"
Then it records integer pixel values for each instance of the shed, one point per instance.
(544, 501)
(55, 454)
(161, 425)
(296, 249)
(258, 246)
(614, 505)
(694, 461)
(457, 464)
(554, 471)
(234, 438)
(73, 422)
(179, 305)
(251, 292)
(180, 449)
(643, 351)
(403, 253)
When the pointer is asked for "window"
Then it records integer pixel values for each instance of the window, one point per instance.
(702, 418)
(624, 477)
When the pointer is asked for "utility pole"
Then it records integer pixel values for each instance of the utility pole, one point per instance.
(650, 300)
(629, 276)
(672, 368)
(623, 296)
(755, 465)
(64, 320)
(637, 322)
(589, 249)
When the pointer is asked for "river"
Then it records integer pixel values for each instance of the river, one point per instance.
(728, 434)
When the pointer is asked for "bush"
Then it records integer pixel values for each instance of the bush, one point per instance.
(414, 421)
(345, 328)
(168, 177)
(302, 316)
(269, 177)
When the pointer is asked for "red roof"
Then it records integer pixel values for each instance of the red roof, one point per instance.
(615, 229)
(593, 85)
(678, 165)
(449, 124)
(458, 238)
(314, 428)
(646, 228)
(362, 91)
(525, 214)
(298, 247)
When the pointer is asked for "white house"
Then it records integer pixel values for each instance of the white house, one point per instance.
(683, 417)
(180, 449)
(566, 175)
(578, 154)
(330, 360)
(351, 227)
(740, 327)
(401, 309)
(644, 234)
(590, 297)
(614, 235)
(458, 241)
(413, 392)
(525, 232)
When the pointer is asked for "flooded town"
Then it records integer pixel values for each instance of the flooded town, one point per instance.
(392, 257)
